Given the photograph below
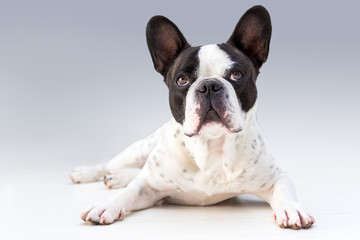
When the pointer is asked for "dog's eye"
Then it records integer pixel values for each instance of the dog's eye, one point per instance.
(182, 81)
(236, 75)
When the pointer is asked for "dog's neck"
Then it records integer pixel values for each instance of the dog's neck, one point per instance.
(216, 148)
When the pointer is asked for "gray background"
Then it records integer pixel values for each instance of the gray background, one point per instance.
(77, 81)
(77, 84)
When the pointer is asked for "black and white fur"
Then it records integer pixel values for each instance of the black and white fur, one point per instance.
(213, 148)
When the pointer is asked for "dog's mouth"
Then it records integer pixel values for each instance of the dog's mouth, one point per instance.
(212, 117)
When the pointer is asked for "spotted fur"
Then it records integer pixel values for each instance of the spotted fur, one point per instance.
(213, 148)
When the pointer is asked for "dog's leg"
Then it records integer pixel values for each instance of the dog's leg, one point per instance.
(288, 213)
(119, 178)
(133, 156)
(88, 174)
(137, 195)
(127, 165)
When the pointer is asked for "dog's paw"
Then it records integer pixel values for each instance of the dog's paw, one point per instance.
(120, 178)
(114, 179)
(103, 213)
(86, 174)
(292, 215)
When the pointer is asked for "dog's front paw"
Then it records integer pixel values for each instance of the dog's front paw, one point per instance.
(103, 213)
(292, 215)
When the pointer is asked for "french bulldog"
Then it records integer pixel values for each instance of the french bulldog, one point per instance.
(212, 149)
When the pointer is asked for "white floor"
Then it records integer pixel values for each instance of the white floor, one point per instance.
(42, 203)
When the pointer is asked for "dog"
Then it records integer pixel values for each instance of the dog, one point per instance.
(212, 149)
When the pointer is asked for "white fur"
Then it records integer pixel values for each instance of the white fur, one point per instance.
(213, 61)
(119, 178)
(207, 168)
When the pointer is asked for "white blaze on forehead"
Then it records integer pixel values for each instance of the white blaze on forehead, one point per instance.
(213, 61)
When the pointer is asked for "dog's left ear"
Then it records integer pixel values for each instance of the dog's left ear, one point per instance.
(252, 34)
(165, 42)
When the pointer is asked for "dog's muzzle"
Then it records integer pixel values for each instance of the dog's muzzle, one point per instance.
(214, 104)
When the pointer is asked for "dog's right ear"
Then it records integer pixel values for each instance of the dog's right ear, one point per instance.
(252, 34)
(165, 42)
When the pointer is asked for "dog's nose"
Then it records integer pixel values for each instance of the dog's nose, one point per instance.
(209, 86)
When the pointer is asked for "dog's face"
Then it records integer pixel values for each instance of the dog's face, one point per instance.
(212, 84)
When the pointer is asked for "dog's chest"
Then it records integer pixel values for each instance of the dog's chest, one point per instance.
(209, 185)
(212, 171)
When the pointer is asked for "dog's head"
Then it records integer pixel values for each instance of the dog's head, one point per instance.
(212, 84)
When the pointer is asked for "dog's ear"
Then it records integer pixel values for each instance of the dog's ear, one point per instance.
(165, 42)
(252, 34)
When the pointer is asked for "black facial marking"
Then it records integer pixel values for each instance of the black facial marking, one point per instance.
(186, 64)
(245, 88)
